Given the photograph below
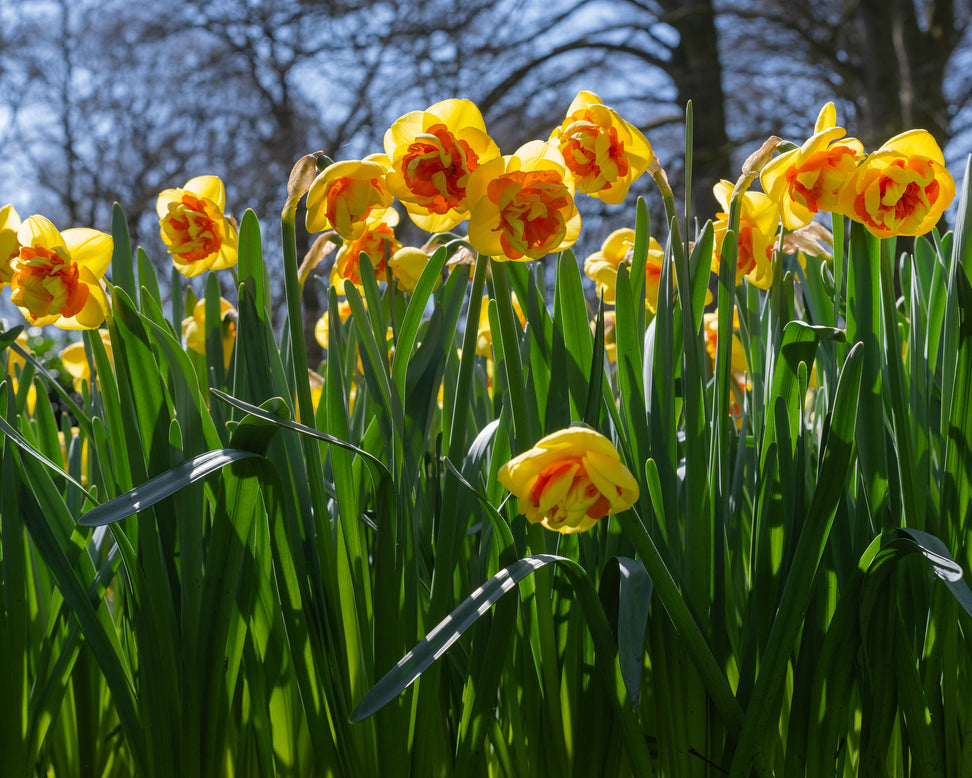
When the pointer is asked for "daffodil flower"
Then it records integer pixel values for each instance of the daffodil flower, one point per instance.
(75, 360)
(377, 238)
(569, 480)
(57, 276)
(523, 205)
(194, 229)
(603, 152)
(194, 328)
(484, 335)
(902, 188)
(407, 265)
(759, 218)
(346, 194)
(602, 266)
(432, 154)
(322, 328)
(809, 179)
(15, 364)
(9, 244)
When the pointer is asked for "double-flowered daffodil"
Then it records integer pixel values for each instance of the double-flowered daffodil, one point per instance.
(809, 179)
(194, 328)
(376, 241)
(523, 204)
(194, 229)
(569, 480)
(345, 195)
(759, 217)
(603, 152)
(75, 360)
(432, 153)
(902, 188)
(602, 266)
(407, 265)
(57, 275)
(9, 244)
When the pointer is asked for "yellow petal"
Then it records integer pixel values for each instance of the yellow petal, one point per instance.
(89, 248)
(209, 187)
(826, 119)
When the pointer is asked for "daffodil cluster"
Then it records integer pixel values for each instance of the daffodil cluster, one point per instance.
(903, 188)
(444, 168)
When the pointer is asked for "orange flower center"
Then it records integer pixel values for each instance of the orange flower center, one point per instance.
(816, 182)
(374, 243)
(748, 245)
(351, 200)
(436, 168)
(900, 197)
(532, 208)
(580, 489)
(594, 154)
(47, 283)
(192, 228)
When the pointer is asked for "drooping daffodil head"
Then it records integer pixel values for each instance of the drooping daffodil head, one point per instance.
(809, 179)
(603, 152)
(407, 265)
(759, 218)
(197, 233)
(902, 188)
(345, 195)
(602, 266)
(523, 205)
(75, 360)
(57, 275)
(323, 327)
(194, 328)
(484, 333)
(432, 154)
(570, 480)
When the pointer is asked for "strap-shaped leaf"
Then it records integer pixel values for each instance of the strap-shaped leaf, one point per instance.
(165, 485)
(626, 584)
(20, 442)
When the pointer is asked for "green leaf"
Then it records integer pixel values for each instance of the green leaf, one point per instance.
(162, 486)
(626, 584)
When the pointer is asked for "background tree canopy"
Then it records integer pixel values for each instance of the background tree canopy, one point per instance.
(104, 101)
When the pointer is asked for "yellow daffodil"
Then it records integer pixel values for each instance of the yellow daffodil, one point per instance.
(9, 244)
(15, 364)
(610, 335)
(57, 276)
(432, 154)
(322, 327)
(194, 229)
(569, 480)
(902, 188)
(738, 367)
(377, 240)
(75, 360)
(194, 328)
(602, 266)
(484, 335)
(407, 265)
(523, 204)
(759, 217)
(710, 330)
(346, 194)
(808, 179)
(65, 447)
(603, 152)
